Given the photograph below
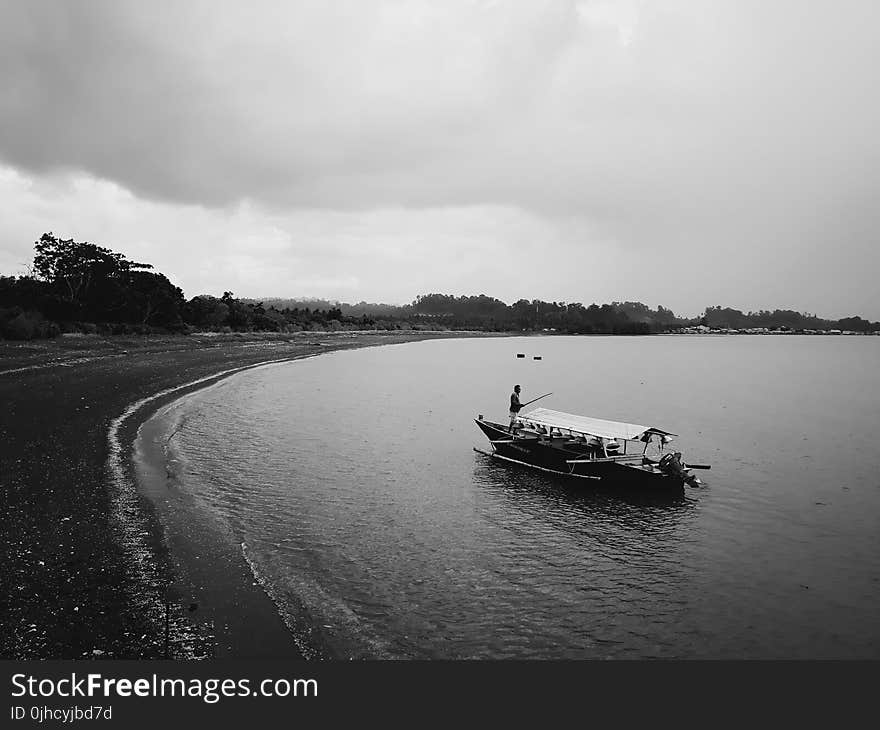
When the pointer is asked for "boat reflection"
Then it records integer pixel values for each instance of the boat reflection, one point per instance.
(558, 499)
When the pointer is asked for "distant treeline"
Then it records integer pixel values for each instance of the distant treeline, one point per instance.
(782, 319)
(82, 287)
(480, 312)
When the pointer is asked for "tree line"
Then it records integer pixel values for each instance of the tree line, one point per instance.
(782, 319)
(81, 287)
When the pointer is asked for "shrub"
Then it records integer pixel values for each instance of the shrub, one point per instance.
(18, 324)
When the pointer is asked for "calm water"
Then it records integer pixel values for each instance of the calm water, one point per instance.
(351, 480)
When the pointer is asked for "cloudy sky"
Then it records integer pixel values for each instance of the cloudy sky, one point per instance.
(677, 152)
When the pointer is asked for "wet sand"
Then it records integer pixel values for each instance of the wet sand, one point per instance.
(87, 570)
(219, 606)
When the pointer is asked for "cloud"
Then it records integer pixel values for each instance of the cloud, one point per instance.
(213, 105)
(669, 130)
(550, 105)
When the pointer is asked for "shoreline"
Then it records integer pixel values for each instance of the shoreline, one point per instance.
(218, 608)
(79, 583)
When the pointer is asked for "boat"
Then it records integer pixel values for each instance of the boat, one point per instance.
(610, 452)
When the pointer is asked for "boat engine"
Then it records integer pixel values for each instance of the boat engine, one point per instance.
(671, 464)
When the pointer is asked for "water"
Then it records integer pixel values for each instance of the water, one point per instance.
(351, 480)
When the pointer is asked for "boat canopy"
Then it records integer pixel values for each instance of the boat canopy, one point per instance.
(588, 426)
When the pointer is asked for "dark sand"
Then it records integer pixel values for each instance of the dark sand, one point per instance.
(86, 567)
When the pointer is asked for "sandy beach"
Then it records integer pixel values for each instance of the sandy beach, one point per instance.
(87, 570)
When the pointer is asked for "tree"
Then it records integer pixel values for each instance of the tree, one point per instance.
(239, 317)
(151, 299)
(205, 311)
(84, 277)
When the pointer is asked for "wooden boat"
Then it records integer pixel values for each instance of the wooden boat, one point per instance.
(589, 448)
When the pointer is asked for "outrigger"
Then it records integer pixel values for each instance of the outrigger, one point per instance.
(589, 448)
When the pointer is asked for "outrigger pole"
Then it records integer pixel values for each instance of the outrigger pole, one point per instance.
(523, 405)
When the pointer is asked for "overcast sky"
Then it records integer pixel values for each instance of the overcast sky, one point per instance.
(684, 153)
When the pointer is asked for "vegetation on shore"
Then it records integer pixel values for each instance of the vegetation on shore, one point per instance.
(81, 287)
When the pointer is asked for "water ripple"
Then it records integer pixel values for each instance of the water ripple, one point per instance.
(379, 533)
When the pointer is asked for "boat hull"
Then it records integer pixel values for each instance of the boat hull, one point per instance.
(561, 457)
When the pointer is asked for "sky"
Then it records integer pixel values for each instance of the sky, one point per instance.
(684, 153)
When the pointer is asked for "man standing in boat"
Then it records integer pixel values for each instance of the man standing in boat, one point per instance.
(515, 405)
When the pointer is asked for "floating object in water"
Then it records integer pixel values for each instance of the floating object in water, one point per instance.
(537, 357)
(520, 354)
